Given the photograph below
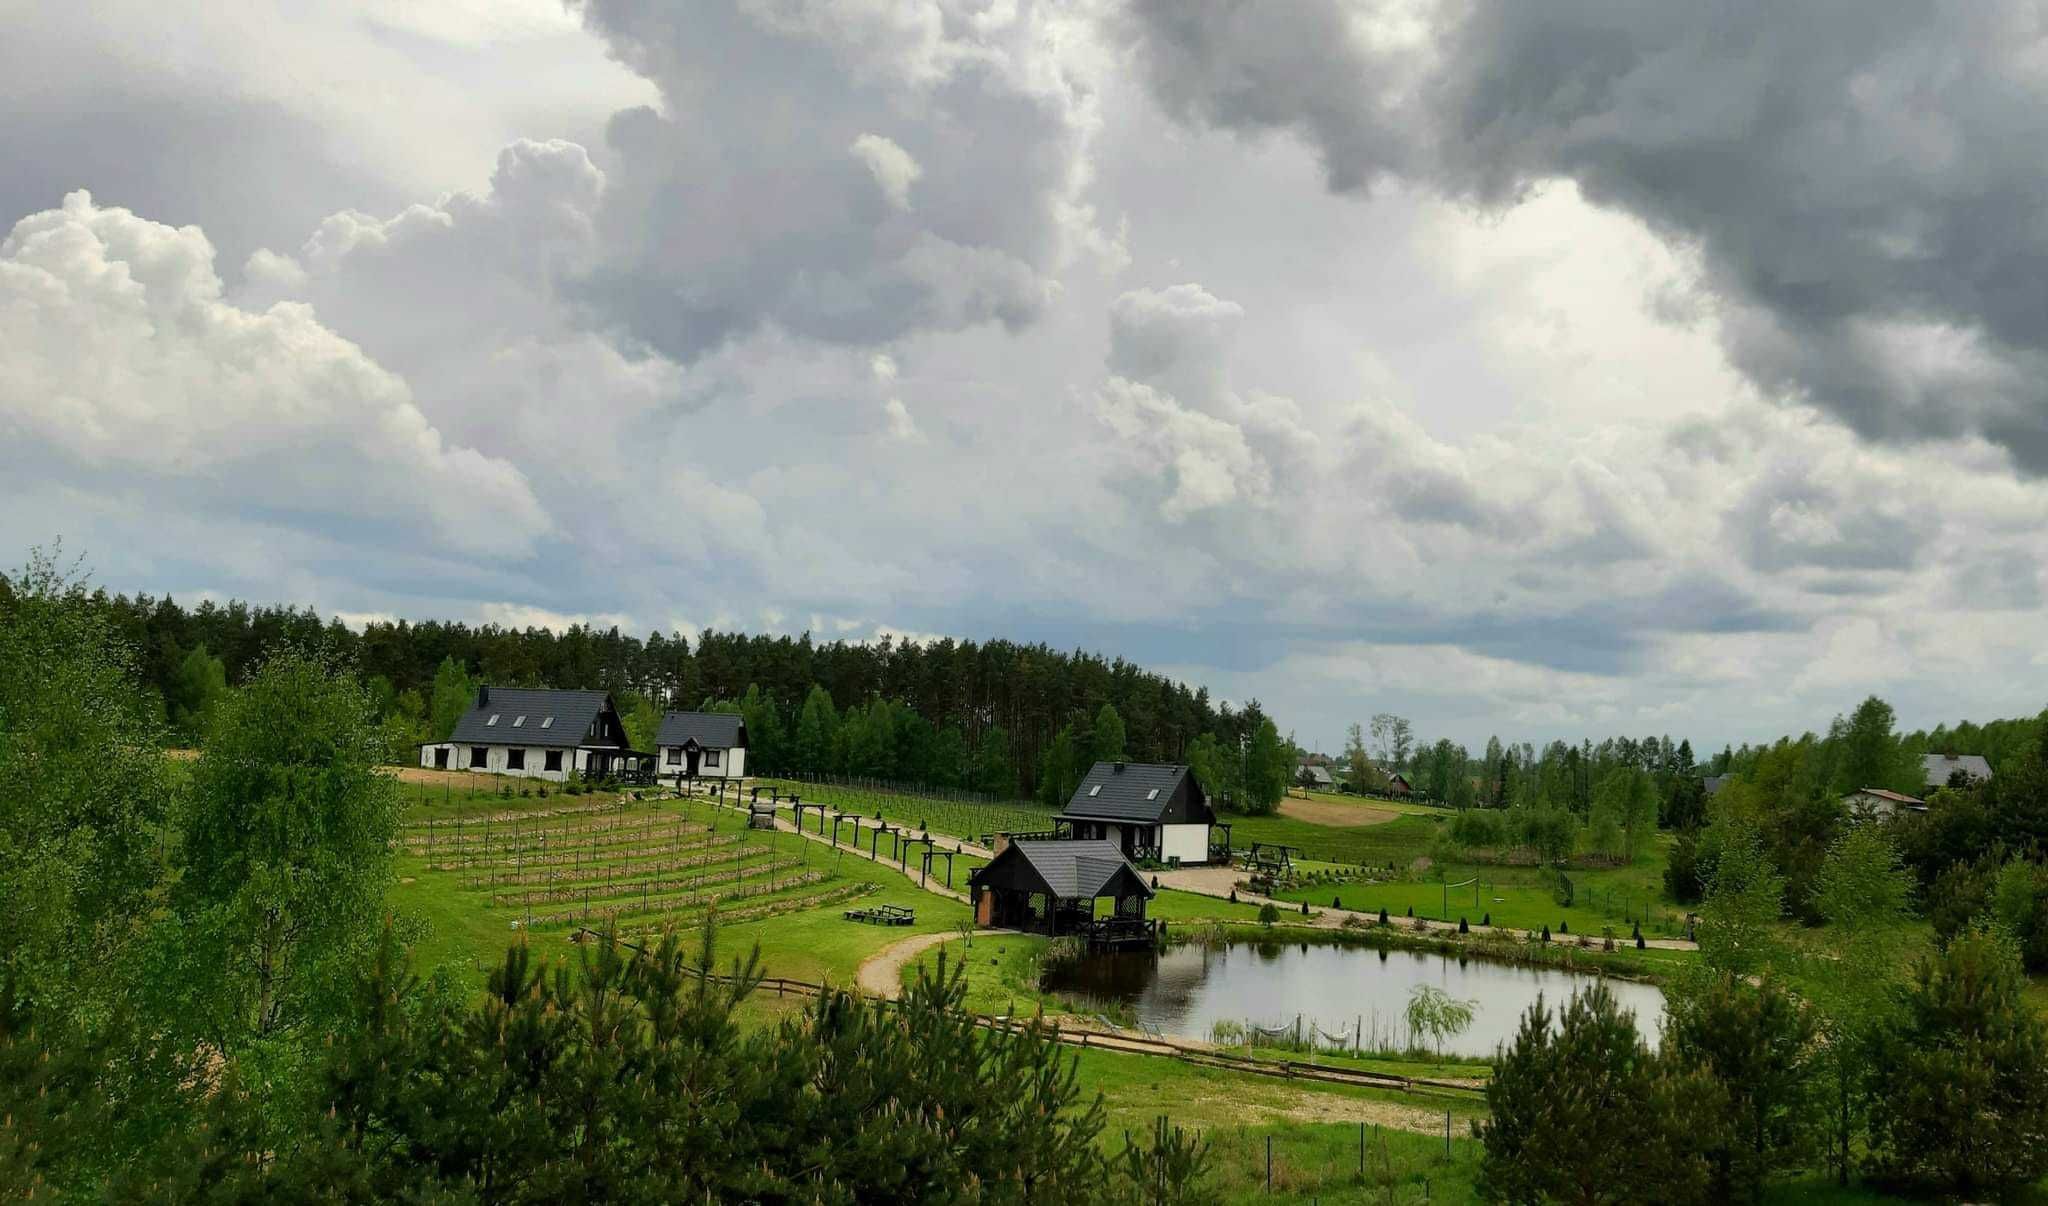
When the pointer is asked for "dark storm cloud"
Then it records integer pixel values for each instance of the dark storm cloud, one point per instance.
(1861, 179)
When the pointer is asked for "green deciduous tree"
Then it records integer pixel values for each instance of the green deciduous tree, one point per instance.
(817, 733)
(1060, 772)
(1963, 1087)
(194, 690)
(1108, 745)
(453, 694)
(286, 845)
(1864, 894)
(1267, 767)
(85, 795)
(1744, 899)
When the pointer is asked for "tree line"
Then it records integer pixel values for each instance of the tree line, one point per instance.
(995, 716)
(203, 995)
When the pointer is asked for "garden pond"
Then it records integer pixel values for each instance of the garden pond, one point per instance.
(1329, 993)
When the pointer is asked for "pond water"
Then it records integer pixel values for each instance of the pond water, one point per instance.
(1349, 991)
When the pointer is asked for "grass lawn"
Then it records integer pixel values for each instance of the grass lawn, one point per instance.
(1516, 897)
(1399, 841)
(1314, 1129)
(1405, 807)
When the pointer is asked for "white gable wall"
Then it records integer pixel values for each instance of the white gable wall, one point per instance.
(1188, 843)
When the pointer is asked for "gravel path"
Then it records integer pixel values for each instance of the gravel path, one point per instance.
(881, 974)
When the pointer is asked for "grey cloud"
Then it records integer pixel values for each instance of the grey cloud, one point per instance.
(1852, 173)
(744, 201)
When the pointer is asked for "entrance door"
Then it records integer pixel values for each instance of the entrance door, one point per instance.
(690, 756)
(441, 758)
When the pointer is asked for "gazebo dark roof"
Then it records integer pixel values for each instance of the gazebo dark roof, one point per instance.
(1068, 870)
(530, 716)
(1126, 791)
(710, 730)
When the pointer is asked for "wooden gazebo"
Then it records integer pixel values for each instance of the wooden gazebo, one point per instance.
(1050, 887)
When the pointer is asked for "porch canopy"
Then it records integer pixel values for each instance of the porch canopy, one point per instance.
(1050, 887)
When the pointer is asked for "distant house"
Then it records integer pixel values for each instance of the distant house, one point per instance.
(1398, 785)
(1870, 803)
(702, 745)
(1317, 777)
(1150, 810)
(539, 734)
(1941, 768)
(1714, 784)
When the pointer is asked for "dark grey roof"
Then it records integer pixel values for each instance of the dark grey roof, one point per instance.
(1076, 869)
(1140, 791)
(1318, 775)
(710, 730)
(1940, 766)
(551, 718)
(1714, 783)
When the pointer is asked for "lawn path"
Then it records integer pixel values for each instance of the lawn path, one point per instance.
(1221, 881)
(881, 974)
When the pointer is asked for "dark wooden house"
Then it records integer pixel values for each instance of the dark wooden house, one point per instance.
(1150, 810)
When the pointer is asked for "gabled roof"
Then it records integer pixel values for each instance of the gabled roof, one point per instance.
(1077, 869)
(1714, 783)
(1126, 791)
(1940, 766)
(710, 730)
(530, 716)
(1318, 775)
(1887, 794)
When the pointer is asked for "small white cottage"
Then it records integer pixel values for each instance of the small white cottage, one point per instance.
(702, 745)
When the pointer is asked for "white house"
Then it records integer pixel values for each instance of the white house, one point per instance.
(1150, 810)
(702, 745)
(538, 734)
(1869, 803)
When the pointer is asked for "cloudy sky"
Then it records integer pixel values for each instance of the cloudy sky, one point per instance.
(1542, 369)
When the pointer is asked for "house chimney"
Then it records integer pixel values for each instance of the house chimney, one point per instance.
(1119, 768)
(483, 696)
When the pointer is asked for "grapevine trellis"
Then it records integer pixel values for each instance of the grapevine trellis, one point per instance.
(623, 860)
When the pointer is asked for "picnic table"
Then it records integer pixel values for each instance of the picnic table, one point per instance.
(883, 915)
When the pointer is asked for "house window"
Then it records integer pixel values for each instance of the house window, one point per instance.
(675, 755)
(493, 720)
(1153, 794)
(711, 759)
(1095, 790)
(515, 759)
(547, 722)
(479, 757)
(517, 721)
(554, 760)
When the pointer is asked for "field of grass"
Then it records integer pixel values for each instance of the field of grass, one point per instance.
(1314, 1129)
(1399, 841)
(955, 818)
(1520, 897)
